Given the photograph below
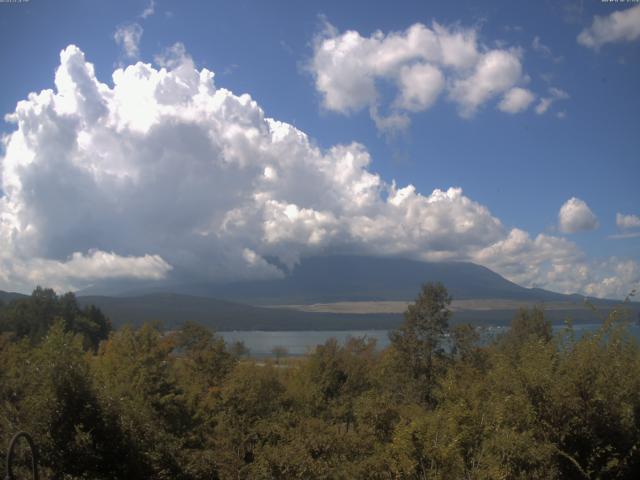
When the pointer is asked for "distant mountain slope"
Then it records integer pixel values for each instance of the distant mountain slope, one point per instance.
(6, 297)
(345, 278)
(331, 279)
(172, 310)
(363, 278)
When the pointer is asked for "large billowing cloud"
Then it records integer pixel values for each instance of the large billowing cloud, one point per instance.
(165, 172)
(422, 64)
(619, 26)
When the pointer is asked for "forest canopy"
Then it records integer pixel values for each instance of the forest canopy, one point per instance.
(437, 403)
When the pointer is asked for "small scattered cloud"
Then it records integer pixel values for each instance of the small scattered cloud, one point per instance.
(149, 10)
(229, 69)
(128, 38)
(626, 222)
(545, 50)
(545, 103)
(540, 47)
(174, 57)
(576, 216)
(547, 77)
(619, 26)
(516, 100)
(621, 236)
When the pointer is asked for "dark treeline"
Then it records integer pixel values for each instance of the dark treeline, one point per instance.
(143, 403)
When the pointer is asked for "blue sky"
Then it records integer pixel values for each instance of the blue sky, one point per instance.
(522, 167)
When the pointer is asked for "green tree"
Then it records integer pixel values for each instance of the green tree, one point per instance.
(464, 343)
(419, 340)
(136, 384)
(527, 325)
(48, 391)
(204, 356)
(251, 397)
(32, 317)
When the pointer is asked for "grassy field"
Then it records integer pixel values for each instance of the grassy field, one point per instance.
(367, 308)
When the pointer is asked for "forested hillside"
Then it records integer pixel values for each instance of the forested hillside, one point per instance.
(183, 405)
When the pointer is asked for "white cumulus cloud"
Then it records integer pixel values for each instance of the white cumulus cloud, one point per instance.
(576, 216)
(420, 63)
(495, 72)
(420, 85)
(516, 100)
(166, 174)
(79, 269)
(623, 276)
(619, 26)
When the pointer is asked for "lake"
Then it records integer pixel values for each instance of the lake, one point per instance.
(261, 344)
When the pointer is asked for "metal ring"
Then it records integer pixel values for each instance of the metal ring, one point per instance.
(10, 454)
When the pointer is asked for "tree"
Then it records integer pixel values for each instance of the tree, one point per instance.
(250, 397)
(527, 325)
(205, 355)
(464, 344)
(419, 340)
(239, 349)
(279, 352)
(135, 384)
(32, 317)
(47, 390)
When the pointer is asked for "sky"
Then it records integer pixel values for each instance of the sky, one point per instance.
(149, 141)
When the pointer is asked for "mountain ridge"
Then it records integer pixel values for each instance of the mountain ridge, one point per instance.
(335, 278)
(331, 280)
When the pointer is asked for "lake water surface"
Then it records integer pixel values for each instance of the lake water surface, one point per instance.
(261, 344)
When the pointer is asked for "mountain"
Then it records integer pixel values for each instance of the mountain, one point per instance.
(375, 291)
(339, 278)
(481, 296)
(6, 297)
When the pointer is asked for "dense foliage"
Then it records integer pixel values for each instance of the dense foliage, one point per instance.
(436, 404)
(32, 317)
